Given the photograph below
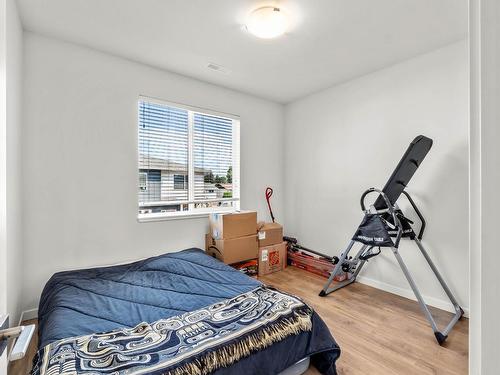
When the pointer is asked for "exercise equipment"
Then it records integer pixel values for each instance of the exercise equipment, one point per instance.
(384, 225)
(293, 245)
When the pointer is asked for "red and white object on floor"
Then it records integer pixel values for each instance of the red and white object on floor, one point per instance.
(313, 263)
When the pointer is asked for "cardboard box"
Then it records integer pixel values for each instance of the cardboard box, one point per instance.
(270, 234)
(234, 250)
(272, 258)
(225, 226)
(248, 267)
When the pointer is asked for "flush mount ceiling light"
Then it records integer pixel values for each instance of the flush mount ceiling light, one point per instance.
(267, 22)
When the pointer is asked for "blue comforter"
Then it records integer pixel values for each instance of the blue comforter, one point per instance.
(76, 303)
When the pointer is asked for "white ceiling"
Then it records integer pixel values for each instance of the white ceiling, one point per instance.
(330, 41)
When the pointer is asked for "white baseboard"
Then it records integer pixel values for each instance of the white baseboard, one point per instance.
(28, 315)
(408, 293)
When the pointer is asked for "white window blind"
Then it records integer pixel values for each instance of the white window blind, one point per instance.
(188, 161)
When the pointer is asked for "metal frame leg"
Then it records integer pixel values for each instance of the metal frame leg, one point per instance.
(459, 312)
(440, 336)
(438, 275)
(343, 256)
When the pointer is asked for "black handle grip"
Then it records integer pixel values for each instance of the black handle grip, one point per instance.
(290, 239)
(419, 214)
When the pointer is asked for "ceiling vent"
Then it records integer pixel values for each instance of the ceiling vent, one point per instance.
(218, 68)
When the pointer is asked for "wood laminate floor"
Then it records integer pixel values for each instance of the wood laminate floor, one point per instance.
(378, 332)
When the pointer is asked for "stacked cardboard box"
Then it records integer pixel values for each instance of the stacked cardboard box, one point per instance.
(233, 240)
(236, 239)
(272, 248)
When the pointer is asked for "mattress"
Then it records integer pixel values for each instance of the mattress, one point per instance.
(82, 302)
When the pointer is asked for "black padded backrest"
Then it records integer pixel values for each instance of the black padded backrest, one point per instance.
(405, 170)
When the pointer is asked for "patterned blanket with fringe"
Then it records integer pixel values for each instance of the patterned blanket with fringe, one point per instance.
(197, 342)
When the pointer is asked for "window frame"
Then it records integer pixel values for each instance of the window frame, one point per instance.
(192, 212)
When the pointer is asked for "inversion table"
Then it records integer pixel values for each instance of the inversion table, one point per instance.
(384, 225)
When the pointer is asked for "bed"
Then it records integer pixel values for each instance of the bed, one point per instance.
(120, 320)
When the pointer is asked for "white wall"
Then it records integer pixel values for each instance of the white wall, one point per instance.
(346, 139)
(14, 176)
(80, 158)
(3, 173)
(475, 250)
(485, 178)
(10, 164)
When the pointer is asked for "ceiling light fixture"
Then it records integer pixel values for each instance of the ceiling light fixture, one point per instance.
(267, 22)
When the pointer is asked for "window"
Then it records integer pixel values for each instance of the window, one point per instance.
(188, 161)
(180, 182)
(143, 181)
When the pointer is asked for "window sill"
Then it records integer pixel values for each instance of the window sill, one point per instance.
(147, 218)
